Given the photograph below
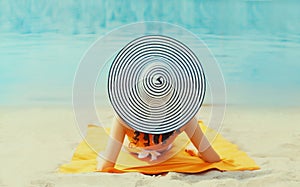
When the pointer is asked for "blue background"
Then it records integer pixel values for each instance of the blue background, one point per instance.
(256, 44)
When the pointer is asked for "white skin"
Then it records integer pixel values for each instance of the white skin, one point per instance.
(192, 129)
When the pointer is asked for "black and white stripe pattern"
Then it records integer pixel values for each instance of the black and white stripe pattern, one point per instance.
(156, 84)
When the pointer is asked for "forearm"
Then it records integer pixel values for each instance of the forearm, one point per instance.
(114, 145)
(111, 152)
(205, 150)
(209, 154)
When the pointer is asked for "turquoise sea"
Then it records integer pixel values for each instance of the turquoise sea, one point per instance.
(256, 44)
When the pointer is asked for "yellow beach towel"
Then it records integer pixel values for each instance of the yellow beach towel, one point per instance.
(184, 160)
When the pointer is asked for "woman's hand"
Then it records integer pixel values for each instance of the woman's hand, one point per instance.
(209, 155)
(104, 164)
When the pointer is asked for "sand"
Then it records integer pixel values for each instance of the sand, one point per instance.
(35, 141)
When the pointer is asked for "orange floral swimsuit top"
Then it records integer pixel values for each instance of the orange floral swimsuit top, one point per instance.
(140, 139)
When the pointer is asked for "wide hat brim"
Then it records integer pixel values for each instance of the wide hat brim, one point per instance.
(156, 84)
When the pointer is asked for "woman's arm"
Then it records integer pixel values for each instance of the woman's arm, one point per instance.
(199, 140)
(113, 147)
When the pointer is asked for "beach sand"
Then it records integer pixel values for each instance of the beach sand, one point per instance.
(35, 141)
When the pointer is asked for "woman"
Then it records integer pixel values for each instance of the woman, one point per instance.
(152, 145)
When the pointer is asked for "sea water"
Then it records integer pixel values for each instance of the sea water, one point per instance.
(256, 44)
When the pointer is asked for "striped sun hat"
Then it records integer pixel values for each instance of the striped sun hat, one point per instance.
(156, 84)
